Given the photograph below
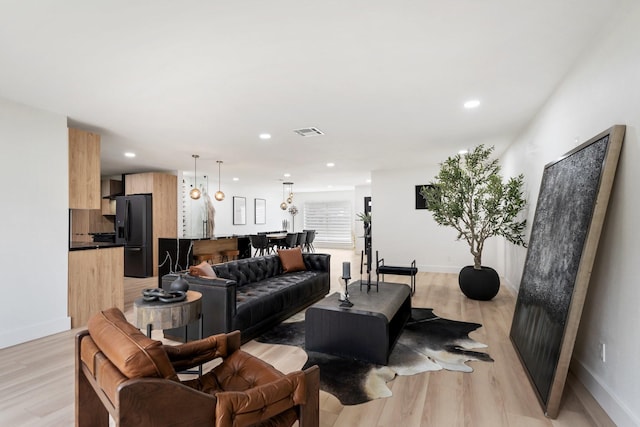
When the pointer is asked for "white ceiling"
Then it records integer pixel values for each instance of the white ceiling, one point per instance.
(385, 80)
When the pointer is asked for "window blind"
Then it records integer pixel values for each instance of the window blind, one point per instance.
(332, 222)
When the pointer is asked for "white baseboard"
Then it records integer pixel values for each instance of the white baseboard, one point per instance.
(32, 332)
(619, 413)
(437, 268)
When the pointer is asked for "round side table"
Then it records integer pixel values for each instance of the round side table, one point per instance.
(161, 315)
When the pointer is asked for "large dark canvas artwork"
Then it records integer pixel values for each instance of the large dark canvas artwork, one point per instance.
(572, 203)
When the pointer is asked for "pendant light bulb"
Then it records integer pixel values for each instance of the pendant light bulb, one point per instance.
(219, 196)
(195, 192)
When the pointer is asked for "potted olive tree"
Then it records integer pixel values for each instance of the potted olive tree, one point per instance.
(469, 195)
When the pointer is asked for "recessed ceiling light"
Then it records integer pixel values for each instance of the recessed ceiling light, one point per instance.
(330, 164)
(472, 103)
(129, 154)
(287, 175)
(265, 136)
(369, 181)
(235, 178)
(463, 152)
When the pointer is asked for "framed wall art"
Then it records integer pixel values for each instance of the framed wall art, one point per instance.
(239, 210)
(570, 212)
(421, 202)
(260, 210)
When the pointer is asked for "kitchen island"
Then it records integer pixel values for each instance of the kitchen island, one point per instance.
(178, 254)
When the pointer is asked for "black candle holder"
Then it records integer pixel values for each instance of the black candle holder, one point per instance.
(345, 302)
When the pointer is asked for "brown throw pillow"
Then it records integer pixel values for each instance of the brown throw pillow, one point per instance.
(203, 269)
(291, 260)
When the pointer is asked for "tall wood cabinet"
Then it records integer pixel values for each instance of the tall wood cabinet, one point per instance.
(164, 190)
(84, 170)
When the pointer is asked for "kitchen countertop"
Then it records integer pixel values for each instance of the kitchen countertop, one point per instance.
(220, 237)
(80, 246)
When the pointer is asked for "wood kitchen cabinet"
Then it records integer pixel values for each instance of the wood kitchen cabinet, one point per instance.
(84, 169)
(110, 188)
(96, 282)
(163, 188)
(108, 207)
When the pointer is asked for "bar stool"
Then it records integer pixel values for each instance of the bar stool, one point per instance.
(229, 254)
(205, 257)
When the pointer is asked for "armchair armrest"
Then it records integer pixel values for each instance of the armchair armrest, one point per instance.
(194, 353)
(300, 388)
(154, 402)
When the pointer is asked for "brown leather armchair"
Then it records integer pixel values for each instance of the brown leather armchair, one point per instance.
(122, 372)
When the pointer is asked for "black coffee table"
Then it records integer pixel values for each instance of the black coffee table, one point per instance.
(368, 330)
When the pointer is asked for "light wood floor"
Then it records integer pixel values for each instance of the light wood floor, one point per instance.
(36, 378)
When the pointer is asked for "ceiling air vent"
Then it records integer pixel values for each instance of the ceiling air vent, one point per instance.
(309, 132)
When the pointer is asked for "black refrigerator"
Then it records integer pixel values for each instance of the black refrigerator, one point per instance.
(134, 230)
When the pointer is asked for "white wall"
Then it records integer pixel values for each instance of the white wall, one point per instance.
(224, 209)
(402, 233)
(602, 90)
(33, 223)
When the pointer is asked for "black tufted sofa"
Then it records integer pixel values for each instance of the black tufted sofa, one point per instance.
(253, 294)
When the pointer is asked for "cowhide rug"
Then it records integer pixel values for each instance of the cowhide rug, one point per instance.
(427, 343)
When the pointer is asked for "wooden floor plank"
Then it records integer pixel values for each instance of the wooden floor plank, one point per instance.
(36, 378)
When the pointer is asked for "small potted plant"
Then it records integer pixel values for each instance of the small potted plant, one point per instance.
(469, 195)
(365, 218)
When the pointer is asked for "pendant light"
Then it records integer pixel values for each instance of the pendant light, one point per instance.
(195, 192)
(219, 196)
(283, 205)
(289, 199)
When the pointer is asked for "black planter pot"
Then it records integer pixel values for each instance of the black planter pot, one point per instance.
(479, 285)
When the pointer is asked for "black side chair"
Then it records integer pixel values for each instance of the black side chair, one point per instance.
(291, 240)
(302, 240)
(260, 243)
(311, 235)
(400, 271)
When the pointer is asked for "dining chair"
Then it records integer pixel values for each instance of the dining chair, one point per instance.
(311, 235)
(302, 240)
(260, 243)
(291, 240)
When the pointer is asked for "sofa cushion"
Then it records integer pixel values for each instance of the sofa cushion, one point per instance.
(291, 260)
(249, 270)
(132, 352)
(269, 298)
(203, 269)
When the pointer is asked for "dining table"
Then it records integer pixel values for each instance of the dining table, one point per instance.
(277, 239)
